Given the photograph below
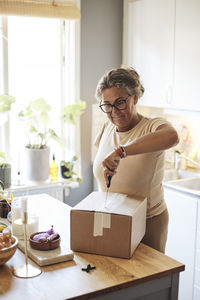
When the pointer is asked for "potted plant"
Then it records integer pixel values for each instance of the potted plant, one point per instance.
(37, 118)
(67, 170)
(5, 170)
(69, 114)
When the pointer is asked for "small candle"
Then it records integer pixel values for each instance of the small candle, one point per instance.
(24, 204)
(24, 210)
(16, 209)
(31, 227)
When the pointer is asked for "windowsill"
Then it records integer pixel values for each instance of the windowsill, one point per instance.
(24, 185)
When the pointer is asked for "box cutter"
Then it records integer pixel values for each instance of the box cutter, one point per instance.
(108, 185)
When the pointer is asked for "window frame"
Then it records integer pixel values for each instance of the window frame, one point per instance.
(71, 34)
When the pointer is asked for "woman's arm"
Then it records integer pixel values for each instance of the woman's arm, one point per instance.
(163, 138)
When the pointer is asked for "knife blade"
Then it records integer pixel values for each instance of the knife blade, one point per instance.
(108, 186)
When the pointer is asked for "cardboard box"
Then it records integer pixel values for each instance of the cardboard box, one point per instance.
(114, 228)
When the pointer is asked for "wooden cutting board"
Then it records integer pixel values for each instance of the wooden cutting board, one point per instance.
(49, 257)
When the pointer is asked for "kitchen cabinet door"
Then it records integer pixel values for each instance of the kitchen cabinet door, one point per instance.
(181, 239)
(187, 55)
(148, 47)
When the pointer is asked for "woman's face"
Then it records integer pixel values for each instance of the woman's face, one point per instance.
(123, 119)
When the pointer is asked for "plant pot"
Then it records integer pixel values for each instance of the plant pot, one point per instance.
(5, 176)
(37, 164)
(63, 169)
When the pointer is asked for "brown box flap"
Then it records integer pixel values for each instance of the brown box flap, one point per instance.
(115, 204)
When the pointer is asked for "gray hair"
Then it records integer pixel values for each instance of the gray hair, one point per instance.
(122, 78)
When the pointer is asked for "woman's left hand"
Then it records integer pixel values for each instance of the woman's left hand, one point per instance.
(110, 165)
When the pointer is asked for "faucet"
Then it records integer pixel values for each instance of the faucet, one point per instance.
(178, 156)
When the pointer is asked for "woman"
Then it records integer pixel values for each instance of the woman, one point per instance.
(131, 150)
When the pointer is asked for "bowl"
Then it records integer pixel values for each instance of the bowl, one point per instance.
(7, 253)
(49, 245)
(2, 226)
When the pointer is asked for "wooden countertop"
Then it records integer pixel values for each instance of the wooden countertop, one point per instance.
(67, 281)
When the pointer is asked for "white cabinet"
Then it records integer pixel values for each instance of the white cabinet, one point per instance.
(150, 47)
(187, 55)
(181, 241)
(162, 42)
(197, 261)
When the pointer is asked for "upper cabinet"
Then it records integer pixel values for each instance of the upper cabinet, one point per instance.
(162, 42)
(187, 55)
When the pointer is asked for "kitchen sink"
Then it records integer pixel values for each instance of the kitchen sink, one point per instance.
(186, 185)
(174, 174)
(191, 183)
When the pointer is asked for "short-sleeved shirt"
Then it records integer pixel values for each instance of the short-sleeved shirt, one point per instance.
(138, 175)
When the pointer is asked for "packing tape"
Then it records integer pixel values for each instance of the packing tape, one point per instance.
(98, 224)
(101, 220)
(106, 220)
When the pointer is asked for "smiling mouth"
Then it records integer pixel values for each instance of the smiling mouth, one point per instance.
(117, 118)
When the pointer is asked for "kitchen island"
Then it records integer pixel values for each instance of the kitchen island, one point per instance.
(148, 275)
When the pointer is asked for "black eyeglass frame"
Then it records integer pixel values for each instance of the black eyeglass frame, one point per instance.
(113, 105)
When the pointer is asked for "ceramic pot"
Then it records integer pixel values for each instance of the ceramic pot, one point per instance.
(63, 170)
(5, 176)
(37, 164)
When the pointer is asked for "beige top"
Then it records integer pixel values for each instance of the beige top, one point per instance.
(137, 175)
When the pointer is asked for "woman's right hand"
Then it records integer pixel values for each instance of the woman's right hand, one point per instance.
(110, 165)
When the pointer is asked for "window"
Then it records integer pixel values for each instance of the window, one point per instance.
(38, 61)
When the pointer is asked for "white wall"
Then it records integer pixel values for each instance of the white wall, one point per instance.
(101, 50)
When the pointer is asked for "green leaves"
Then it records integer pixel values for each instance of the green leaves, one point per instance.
(70, 112)
(36, 111)
(6, 102)
(3, 163)
(54, 136)
(40, 105)
(74, 158)
(2, 155)
(36, 116)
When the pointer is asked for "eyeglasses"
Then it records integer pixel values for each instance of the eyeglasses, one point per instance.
(119, 104)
